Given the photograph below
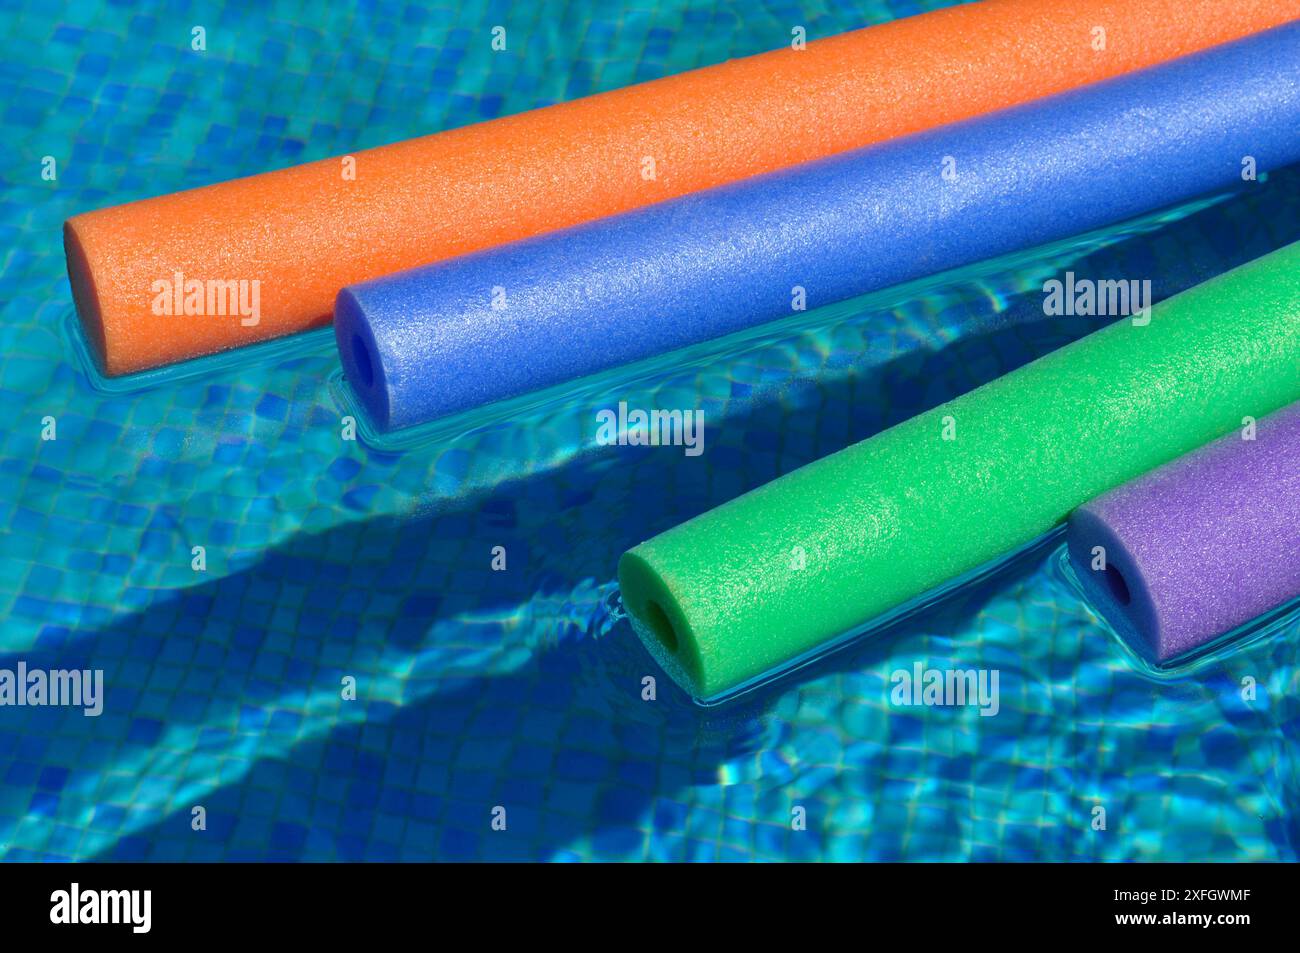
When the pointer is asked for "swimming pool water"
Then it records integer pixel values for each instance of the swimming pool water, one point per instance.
(475, 689)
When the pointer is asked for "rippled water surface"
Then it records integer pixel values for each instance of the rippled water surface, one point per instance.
(329, 559)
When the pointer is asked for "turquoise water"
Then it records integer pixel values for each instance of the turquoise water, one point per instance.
(522, 689)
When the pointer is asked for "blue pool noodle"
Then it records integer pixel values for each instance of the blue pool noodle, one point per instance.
(446, 337)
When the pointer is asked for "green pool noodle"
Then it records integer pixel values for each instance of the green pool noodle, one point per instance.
(767, 578)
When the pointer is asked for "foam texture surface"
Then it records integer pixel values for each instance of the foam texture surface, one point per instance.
(426, 343)
(769, 576)
(1200, 546)
(307, 231)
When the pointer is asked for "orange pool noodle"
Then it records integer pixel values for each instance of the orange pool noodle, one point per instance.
(196, 272)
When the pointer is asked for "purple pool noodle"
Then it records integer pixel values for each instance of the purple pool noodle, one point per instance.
(1199, 546)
